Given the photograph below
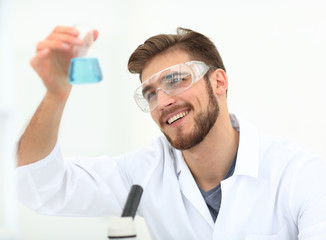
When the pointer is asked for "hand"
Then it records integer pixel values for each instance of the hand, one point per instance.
(52, 59)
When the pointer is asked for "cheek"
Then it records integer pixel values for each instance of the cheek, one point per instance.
(155, 116)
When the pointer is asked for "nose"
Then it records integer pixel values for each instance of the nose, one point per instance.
(163, 99)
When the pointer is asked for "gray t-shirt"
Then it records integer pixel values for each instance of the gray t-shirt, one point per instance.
(214, 196)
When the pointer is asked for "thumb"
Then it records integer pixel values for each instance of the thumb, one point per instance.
(95, 34)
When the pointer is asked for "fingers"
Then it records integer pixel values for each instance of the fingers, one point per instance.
(59, 42)
(64, 38)
(61, 38)
(66, 30)
(52, 44)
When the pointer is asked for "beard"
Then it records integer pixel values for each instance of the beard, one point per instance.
(204, 121)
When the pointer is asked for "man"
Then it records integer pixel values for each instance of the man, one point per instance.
(202, 180)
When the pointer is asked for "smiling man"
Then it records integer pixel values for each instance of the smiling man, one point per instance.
(211, 176)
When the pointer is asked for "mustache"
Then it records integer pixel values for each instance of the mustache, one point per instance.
(173, 109)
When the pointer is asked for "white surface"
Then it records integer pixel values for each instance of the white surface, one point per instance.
(126, 226)
(8, 214)
(274, 52)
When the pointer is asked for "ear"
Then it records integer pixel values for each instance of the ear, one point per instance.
(219, 81)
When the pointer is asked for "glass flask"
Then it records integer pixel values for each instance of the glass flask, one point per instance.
(84, 68)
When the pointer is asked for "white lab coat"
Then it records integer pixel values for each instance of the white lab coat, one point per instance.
(278, 190)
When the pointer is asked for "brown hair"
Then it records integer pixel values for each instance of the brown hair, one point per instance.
(195, 44)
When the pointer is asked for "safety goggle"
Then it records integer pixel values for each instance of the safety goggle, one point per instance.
(173, 80)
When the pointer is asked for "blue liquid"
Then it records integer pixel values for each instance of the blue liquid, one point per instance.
(84, 70)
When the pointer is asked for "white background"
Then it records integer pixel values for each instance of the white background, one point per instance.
(274, 53)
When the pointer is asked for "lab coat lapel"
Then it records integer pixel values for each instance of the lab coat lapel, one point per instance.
(233, 195)
(248, 150)
(247, 164)
(191, 191)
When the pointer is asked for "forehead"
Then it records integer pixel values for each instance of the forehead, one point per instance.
(164, 60)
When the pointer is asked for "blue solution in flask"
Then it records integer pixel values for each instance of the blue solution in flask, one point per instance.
(84, 70)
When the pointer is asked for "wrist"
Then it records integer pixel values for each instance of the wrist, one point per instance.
(58, 97)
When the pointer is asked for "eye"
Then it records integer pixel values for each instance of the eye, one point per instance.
(149, 95)
(176, 78)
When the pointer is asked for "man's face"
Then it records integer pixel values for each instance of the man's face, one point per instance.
(185, 119)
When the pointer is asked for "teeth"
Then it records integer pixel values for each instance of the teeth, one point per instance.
(176, 117)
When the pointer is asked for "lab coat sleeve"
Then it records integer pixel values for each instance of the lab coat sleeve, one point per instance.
(308, 199)
(70, 187)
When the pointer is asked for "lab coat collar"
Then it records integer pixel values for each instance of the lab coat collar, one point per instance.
(248, 150)
(247, 164)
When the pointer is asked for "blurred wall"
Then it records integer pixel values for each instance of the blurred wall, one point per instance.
(274, 53)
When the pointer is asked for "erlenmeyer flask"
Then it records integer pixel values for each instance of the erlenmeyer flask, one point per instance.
(84, 68)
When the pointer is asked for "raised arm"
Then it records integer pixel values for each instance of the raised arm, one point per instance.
(51, 63)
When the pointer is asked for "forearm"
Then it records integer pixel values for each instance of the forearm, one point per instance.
(41, 133)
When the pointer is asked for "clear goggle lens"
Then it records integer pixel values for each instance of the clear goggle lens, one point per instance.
(172, 81)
